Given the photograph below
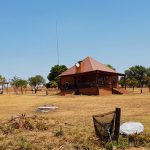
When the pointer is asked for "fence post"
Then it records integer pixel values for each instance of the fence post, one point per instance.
(117, 124)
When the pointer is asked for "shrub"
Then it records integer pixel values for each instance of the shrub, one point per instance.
(28, 124)
(121, 144)
(137, 140)
(41, 126)
(60, 132)
(49, 147)
(23, 144)
(6, 145)
(3, 146)
(7, 129)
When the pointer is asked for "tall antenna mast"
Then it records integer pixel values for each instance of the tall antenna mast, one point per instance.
(57, 43)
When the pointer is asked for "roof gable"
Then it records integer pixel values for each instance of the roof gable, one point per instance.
(88, 64)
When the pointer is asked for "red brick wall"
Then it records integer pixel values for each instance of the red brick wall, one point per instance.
(96, 91)
(105, 91)
(89, 91)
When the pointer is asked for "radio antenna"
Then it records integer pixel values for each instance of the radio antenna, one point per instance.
(57, 42)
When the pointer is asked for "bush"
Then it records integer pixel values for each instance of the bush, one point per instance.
(28, 124)
(7, 129)
(137, 140)
(60, 132)
(3, 146)
(23, 144)
(41, 126)
(25, 123)
(49, 147)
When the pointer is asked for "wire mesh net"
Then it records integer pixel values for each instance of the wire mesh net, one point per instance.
(104, 125)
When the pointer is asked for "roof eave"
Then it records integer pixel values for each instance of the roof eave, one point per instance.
(112, 73)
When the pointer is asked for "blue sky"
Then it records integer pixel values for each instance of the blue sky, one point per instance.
(112, 31)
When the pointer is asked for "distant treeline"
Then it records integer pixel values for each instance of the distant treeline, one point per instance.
(21, 84)
(34, 82)
(135, 76)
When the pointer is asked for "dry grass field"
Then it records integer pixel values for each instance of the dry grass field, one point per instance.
(74, 116)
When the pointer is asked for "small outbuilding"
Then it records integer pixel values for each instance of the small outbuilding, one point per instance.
(90, 77)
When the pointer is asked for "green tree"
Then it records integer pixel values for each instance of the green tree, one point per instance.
(122, 81)
(147, 78)
(54, 73)
(53, 84)
(36, 81)
(23, 84)
(111, 67)
(137, 73)
(2, 81)
(147, 81)
(17, 83)
(148, 71)
(132, 83)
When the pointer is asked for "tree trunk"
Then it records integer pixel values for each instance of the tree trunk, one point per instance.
(133, 88)
(2, 87)
(32, 90)
(7, 88)
(35, 90)
(21, 90)
(16, 91)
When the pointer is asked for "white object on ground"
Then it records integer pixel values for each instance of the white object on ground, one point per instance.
(46, 108)
(129, 128)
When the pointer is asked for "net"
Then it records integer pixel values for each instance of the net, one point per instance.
(104, 125)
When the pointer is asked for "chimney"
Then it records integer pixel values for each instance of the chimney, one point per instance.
(79, 67)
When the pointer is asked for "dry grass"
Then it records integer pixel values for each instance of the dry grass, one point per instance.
(74, 116)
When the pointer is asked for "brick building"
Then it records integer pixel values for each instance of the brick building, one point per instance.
(90, 77)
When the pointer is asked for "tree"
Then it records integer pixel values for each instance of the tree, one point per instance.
(111, 67)
(122, 82)
(17, 83)
(53, 84)
(148, 71)
(2, 81)
(23, 84)
(136, 73)
(132, 83)
(36, 81)
(54, 73)
(147, 78)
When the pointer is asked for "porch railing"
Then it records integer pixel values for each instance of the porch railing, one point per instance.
(68, 86)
